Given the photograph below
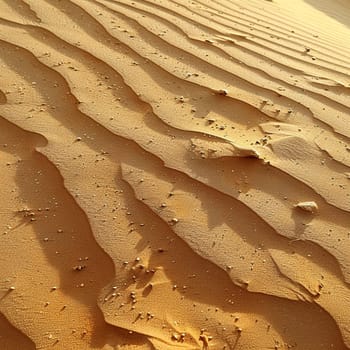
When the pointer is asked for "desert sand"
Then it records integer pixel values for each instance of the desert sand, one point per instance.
(175, 174)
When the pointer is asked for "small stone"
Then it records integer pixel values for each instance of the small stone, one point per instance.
(311, 206)
(175, 336)
(223, 92)
(211, 121)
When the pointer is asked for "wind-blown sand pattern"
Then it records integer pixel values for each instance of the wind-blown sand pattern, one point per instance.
(175, 174)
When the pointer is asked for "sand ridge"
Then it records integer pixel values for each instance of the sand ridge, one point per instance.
(175, 174)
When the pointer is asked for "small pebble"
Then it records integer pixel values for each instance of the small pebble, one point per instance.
(311, 206)
(175, 336)
(223, 92)
(174, 220)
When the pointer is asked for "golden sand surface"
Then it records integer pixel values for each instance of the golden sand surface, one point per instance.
(175, 174)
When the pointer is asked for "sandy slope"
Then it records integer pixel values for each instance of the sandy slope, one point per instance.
(175, 174)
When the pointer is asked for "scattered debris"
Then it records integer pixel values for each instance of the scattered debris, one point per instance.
(79, 267)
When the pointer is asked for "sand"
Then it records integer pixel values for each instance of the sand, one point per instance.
(175, 174)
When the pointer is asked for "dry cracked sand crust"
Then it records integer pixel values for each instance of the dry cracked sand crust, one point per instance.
(175, 174)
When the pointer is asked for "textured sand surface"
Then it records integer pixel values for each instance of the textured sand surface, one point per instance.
(175, 174)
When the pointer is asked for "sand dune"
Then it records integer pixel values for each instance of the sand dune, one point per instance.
(175, 174)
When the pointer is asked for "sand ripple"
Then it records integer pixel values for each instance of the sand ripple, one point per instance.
(175, 174)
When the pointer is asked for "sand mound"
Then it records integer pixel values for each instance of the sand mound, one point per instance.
(174, 174)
